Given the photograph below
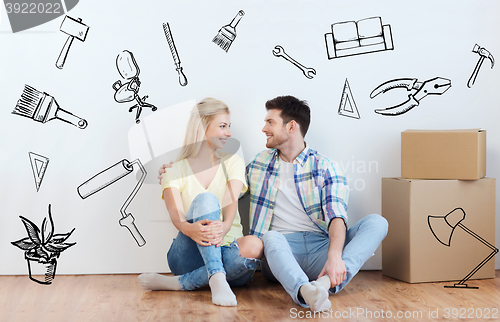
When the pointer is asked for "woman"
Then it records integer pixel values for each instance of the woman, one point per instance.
(201, 193)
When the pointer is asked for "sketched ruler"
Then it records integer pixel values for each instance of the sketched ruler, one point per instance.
(39, 165)
(347, 105)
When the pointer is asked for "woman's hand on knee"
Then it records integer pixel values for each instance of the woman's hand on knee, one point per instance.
(218, 232)
(200, 232)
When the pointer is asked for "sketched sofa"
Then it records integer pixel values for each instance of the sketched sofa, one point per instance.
(358, 37)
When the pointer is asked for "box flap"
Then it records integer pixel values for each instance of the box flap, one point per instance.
(440, 131)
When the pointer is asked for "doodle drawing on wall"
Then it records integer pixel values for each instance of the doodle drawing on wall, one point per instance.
(434, 86)
(41, 107)
(227, 34)
(39, 165)
(483, 54)
(278, 51)
(74, 28)
(42, 248)
(347, 105)
(175, 55)
(129, 70)
(110, 176)
(350, 38)
(443, 227)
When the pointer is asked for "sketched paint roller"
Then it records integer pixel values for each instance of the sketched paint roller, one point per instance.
(110, 176)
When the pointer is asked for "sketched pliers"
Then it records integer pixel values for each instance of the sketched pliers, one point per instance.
(434, 86)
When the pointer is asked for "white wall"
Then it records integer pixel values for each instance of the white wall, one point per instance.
(431, 39)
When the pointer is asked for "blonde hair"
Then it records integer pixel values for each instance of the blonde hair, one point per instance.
(201, 116)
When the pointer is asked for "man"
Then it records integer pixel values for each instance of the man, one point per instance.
(298, 207)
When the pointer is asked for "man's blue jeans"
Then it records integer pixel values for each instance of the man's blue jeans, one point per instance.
(196, 263)
(297, 258)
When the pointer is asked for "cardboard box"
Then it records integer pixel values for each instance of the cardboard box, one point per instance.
(446, 154)
(412, 253)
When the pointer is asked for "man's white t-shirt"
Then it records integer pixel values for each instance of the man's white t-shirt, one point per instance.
(289, 215)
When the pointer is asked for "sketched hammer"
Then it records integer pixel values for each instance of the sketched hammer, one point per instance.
(75, 29)
(483, 53)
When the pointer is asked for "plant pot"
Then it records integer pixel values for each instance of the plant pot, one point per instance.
(42, 272)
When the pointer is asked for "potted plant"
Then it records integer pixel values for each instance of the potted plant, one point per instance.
(42, 248)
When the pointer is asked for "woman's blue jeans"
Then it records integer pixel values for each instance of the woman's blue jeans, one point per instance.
(196, 263)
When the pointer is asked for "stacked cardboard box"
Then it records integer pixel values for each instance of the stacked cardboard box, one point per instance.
(439, 208)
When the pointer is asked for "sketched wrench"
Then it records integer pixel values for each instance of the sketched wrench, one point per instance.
(278, 51)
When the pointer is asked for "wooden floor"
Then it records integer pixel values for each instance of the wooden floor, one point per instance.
(369, 297)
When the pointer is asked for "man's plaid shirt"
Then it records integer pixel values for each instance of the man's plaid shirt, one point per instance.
(321, 186)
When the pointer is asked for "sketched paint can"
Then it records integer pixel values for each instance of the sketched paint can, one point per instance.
(41, 271)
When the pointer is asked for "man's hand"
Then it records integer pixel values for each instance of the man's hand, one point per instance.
(335, 269)
(203, 232)
(162, 170)
(335, 266)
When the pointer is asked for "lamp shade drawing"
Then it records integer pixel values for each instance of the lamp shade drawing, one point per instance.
(443, 227)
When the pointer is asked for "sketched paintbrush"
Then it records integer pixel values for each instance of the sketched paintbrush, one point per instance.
(177, 61)
(42, 107)
(227, 34)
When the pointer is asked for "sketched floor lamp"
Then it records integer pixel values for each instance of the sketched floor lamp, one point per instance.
(442, 228)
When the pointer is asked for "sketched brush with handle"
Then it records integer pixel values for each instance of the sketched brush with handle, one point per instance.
(42, 107)
(227, 34)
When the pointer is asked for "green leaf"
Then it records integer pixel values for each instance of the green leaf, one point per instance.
(24, 244)
(60, 238)
(33, 231)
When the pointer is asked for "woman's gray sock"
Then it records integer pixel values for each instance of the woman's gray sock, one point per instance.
(157, 282)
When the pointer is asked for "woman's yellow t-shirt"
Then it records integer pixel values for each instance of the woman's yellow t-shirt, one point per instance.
(181, 176)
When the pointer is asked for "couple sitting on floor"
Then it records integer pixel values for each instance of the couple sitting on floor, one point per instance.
(298, 211)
